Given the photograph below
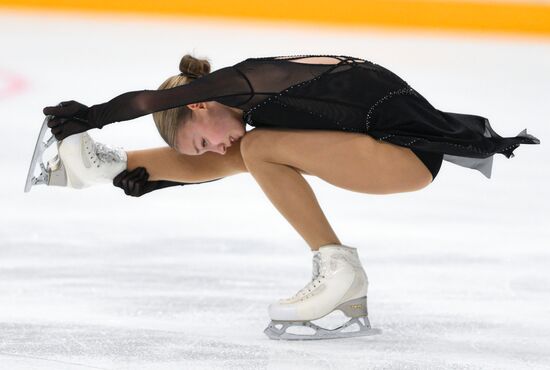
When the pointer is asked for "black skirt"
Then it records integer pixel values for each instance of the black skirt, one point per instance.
(408, 119)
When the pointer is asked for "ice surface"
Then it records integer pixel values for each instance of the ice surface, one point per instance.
(181, 278)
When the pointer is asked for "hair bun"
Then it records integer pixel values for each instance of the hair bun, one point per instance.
(193, 67)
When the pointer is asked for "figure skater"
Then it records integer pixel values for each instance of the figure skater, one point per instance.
(346, 120)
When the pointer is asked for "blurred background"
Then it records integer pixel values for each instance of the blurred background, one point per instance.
(181, 278)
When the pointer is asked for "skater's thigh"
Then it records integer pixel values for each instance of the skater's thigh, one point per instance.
(352, 161)
(165, 163)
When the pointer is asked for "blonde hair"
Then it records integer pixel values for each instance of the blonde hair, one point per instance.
(168, 121)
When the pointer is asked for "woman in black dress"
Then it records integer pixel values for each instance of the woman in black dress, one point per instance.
(348, 121)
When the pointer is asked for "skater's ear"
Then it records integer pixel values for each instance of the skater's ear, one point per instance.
(199, 105)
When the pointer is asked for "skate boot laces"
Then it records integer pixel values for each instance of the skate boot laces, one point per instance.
(107, 154)
(323, 266)
(318, 275)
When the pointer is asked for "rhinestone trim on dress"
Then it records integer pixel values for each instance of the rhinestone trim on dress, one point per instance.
(469, 147)
(311, 56)
(403, 91)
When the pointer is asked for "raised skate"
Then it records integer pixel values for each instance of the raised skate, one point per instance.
(40, 147)
(339, 282)
(80, 162)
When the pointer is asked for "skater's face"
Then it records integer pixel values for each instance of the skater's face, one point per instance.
(213, 127)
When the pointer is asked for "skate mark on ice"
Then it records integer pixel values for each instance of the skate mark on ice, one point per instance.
(52, 360)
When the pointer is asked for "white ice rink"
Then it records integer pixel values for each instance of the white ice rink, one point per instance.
(181, 278)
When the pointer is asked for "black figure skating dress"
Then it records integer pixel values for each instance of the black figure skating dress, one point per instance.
(353, 95)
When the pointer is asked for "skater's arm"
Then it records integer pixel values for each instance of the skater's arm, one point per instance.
(165, 167)
(166, 163)
(226, 86)
(136, 182)
(242, 85)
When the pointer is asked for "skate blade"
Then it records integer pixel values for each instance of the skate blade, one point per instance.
(40, 147)
(273, 332)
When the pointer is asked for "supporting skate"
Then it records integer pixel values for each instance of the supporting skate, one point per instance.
(339, 283)
(80, 162)
(356, 309)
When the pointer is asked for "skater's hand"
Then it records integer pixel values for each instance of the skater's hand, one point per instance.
(134, 183)
(69, 118)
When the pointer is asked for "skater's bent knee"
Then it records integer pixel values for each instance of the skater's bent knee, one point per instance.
(254, 147)
(251, 143)
(263, 145)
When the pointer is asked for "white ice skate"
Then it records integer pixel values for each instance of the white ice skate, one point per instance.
(338, 283)
(80, 162)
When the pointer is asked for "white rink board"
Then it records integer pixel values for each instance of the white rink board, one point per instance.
(181, 278)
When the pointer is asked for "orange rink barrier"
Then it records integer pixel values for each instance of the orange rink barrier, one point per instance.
(491, 16)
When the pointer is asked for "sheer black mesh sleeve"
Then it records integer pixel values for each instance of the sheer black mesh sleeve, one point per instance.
(226, 85)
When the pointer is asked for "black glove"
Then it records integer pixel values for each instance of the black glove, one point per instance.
(135, 183)
(69, 118)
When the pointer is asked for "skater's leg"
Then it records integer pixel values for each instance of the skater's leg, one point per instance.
(293, 197)
(351, 161)
(167, 164)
